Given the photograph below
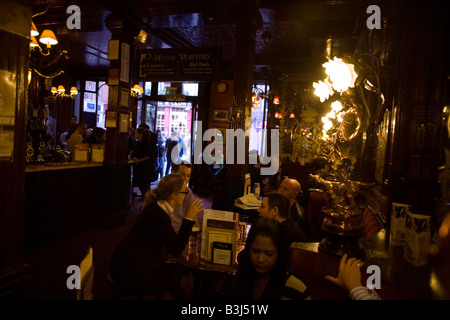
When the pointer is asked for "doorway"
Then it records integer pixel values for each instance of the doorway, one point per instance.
(171, 117)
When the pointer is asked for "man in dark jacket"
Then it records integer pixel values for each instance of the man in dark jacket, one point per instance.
(275, 205)
(292, 189)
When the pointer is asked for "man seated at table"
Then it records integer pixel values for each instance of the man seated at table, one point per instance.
(275, 205)
(77, 137)
(180, 211)
(291, 188)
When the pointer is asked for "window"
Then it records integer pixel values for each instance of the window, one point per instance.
(148, 88)
(95, 100)
(190, 89)
(90, 97)
(257, 139)
(162, 88)
(102, 103)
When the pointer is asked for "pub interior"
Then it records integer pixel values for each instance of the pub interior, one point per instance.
(370, 153)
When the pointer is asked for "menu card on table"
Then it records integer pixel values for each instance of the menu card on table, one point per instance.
(81, 152)
(218, 226)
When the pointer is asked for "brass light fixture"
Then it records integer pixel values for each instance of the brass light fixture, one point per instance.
(136, 91)
(60, 92)
(350, 116)
(48, 38)
(43, 58)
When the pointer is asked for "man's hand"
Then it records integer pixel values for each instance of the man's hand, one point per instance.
(349, 276)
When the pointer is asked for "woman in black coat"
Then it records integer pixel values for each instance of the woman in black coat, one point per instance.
(143, 162)
(139, 259)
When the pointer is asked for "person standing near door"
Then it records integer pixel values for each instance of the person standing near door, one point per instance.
(171, 143)
(141, 156)
(161, 153)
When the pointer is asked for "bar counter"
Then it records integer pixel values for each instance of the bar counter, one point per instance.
(59, 166)
(61, 198)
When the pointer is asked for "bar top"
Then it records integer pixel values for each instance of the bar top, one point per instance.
(59, 166)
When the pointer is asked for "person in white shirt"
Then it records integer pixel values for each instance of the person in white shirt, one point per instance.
(180, 211)
(77, 137)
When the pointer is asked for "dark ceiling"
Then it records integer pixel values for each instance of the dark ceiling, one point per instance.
(291, 34)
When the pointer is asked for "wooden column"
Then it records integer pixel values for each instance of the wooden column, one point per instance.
(248, 20)
(422, 65)
(119, 99)
(15, 21)
(117, 171)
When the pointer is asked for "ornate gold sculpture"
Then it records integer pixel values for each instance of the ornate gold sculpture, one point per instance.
(351, 115)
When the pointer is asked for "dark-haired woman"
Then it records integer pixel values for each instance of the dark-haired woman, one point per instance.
(263, 267)
(139, 259)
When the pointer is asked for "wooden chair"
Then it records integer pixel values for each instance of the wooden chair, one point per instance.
(86, 277)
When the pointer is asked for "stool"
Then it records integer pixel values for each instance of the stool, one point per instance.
(123, 291)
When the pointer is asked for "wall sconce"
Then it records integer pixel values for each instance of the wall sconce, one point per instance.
(43, 60)
(34, 30)
(136, 91)
(48, 38)
(276, 100)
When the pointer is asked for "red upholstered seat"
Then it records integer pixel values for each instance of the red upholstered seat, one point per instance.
(317, 200)
(312, 267)
(371, 222)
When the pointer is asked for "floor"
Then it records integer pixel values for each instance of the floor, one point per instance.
(49, 262)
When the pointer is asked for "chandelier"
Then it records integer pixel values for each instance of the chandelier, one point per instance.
(60, 92)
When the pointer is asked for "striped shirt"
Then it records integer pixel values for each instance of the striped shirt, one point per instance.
(294, 289)
(363, 293)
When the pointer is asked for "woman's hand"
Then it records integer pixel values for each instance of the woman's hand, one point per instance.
(349, 276)
(194, 209)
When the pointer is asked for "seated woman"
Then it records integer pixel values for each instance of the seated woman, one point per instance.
(139, 259)
(263, 267)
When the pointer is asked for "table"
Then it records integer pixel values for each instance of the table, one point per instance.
(205, 272)
(193, 260)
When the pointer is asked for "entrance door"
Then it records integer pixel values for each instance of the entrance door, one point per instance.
(175, 119)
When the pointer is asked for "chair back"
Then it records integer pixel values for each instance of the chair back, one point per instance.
(373, 222)
(317, 200)
(86, 276)
(312, 267)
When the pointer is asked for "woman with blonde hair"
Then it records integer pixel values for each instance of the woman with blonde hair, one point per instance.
(139, 259)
